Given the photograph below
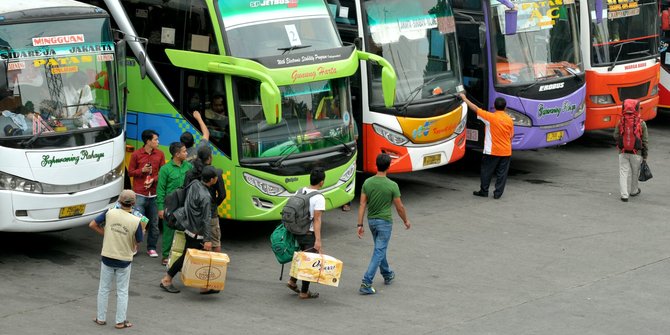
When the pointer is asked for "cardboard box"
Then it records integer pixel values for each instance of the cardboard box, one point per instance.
(177, 249)
(317, 268)
(204, 269)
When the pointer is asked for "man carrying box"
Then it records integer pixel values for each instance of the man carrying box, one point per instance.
(198, 232)
(311, 240)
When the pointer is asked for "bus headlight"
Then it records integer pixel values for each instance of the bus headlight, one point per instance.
(113, 175)
(390, 135)
(602, 99)
(580, 110)
(654, 90)
(461, 126)
(14, 183)
(263, 185)
(348, 173)
(519, 119)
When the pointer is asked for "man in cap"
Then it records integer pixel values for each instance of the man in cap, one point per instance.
(121, 231)
(197, 230)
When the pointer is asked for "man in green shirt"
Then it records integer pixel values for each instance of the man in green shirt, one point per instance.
(170, 177)
(378, 194)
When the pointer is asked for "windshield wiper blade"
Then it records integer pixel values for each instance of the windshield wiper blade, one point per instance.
(341, 143)
(295, 47)
(415, 93)
(616, 59)
(278, 163)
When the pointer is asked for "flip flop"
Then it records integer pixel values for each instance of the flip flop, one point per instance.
(293, 288)
(209, 292)
(124, 324)
(99, 323)
(310, 295)
(170, 288)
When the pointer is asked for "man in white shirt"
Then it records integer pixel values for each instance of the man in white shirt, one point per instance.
(312, 240)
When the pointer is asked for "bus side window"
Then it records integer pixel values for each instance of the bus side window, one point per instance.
(199, 30)
(206, 93)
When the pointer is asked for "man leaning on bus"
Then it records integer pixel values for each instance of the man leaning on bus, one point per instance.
(497, 146)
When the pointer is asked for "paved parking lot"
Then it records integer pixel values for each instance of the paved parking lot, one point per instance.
(558, 254)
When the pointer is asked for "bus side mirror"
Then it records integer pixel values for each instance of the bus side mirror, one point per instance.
(142, 61)
(271, 102)
(358, 43)
(388, 85)
(510, 21)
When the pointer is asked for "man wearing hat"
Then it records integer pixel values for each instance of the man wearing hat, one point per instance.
(121, 231)
(197, 230)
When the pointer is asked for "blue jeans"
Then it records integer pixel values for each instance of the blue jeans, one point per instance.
(107, 276)
(381, 235)
(147, 206)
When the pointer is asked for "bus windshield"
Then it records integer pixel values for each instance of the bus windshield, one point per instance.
(418, 39)
(545, 45)
(256, 31)
(54, 88)
(625, 33)
(316, 116)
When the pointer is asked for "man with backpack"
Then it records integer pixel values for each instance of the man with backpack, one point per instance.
(197, 224)
(632, 142)
(170, 177)
(293, 219)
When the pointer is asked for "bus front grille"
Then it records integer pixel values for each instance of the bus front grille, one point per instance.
(634, 92)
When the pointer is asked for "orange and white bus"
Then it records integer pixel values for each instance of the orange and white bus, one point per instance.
(620, 49)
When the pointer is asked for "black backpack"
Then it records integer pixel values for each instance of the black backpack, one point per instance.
(295, 214)
(174, 211)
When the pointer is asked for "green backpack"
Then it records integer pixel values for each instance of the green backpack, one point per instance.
(283, 245)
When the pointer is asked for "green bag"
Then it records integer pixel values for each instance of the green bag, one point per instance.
(283, 245)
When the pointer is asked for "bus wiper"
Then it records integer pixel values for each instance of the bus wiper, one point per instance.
(574, 74)
(415, 93)
(616, 59)
(278, 163)
(294, 47)
(340, 142)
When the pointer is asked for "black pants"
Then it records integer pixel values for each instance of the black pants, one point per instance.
(191, 243)
(306, 243)
(499, 165)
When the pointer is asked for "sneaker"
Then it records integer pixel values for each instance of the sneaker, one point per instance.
(135, 251)
(624, 199)
(636, 193)
(152, 253)
(164, 261)
(389, 279)
(367, 289)
(480, 193)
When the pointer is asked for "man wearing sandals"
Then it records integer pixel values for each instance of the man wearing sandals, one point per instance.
(378, 194)
(121, 230)
(312, 240)
(198, 231)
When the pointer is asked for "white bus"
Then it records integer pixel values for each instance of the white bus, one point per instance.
(62, 114)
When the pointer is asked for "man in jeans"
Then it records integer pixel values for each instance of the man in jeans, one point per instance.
(121, 230)
(143, 167)
(312, 240)
(378, 194)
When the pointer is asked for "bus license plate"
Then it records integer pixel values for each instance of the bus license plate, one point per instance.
(432, 159)
(71, 211)
(472, 134)
(555, 136)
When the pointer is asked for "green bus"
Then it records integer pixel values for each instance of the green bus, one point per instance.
(270, 79)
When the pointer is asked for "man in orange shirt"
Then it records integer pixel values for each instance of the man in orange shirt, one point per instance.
(499, 130)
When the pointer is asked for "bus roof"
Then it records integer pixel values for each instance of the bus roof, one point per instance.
(34, 9)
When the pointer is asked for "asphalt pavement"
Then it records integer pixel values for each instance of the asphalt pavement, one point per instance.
(559, 253)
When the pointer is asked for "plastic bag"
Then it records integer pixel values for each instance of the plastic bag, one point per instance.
(645, 172)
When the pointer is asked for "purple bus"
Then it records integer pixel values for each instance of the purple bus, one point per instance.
(526, 51)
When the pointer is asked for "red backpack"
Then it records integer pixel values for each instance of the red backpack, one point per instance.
(630, 127)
